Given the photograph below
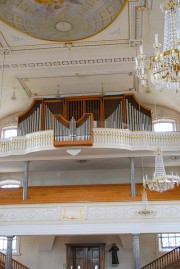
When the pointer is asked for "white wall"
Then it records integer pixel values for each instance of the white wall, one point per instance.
(83, 177)
(33, 257)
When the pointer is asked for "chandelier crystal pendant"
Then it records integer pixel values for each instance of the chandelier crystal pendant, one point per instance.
(161, 181)
(164, 68)
(145, 211)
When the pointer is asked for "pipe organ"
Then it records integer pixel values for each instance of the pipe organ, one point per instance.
(72, 118)
(31, 120)
(75, 132)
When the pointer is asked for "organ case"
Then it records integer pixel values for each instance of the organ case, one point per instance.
(73, 118)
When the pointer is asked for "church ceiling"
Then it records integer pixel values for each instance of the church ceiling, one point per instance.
(60, 20)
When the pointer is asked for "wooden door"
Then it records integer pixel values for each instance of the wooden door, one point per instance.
(93, 258)
(85, 256)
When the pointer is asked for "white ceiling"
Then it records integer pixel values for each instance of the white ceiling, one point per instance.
(35, 68)
(70, 20)
(88, 159)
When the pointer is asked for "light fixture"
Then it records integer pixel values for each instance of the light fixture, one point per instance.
(174, 158)
(102, 90)
(164, 68)
(13, 97)
(58, 92)
(161, 181)
(73, 152)
(145, 211)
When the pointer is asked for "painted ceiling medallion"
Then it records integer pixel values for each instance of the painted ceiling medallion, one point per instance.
(60, 20)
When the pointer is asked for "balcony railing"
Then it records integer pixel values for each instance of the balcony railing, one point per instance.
(169, 258)
(102, 137)
(15, 264)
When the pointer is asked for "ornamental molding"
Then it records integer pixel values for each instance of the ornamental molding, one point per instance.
(79, 62)
(75, 62)
(135, 21)
(80, 217)
(118, 43)
(136, 11)
(4, 48)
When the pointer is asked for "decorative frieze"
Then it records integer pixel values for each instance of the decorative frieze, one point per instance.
(86, 62)
(84, 216)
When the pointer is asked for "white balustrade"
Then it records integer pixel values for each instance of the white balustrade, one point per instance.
(136, 140)
(103, 137)
(29, 143)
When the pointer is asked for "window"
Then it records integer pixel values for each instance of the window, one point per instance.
(9, 131)
(164, 125)
(10, 183)
(15, 244)
(168, 242)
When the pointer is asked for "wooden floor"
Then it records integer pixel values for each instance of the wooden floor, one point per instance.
(83, 193)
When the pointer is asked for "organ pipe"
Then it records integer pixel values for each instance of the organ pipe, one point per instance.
(120, 111)
(72, 130)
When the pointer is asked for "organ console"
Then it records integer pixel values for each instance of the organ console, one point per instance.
(73, 118)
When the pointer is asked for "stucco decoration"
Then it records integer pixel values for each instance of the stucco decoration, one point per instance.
(70, 20)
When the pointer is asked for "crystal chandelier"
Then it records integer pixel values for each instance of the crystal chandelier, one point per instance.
(161, 181)
(145, 211)
(164, 68)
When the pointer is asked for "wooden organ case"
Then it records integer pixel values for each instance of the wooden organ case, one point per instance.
(73, 118)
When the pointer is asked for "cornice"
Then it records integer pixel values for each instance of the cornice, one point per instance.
(71, 46)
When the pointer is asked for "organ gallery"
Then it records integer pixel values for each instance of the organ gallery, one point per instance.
(73, 118)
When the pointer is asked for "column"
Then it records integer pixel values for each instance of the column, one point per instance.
(25, 180)
(136, 251)
(8, 261)
(133, 186)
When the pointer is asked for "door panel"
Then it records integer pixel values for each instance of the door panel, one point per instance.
(79, 261)
(85, 257)
(93, 257)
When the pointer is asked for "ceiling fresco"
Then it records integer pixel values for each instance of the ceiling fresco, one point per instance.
(60, 20)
